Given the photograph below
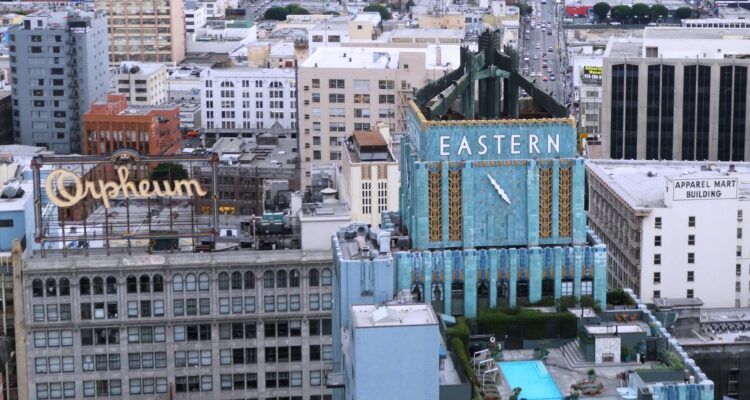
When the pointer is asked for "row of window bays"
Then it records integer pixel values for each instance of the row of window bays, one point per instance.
(190, 282)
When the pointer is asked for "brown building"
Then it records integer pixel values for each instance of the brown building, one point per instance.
(111, 125)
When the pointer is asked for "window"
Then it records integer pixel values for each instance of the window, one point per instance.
(327, 301)
(739, 233)
(361, 99)
(223, 281)
(249, 280)
(738, 269)
(336, 98)
(691, 276)
(314, 303)
(268, 280)
(689, 293)
(281, 279)
(203, 282)
(386, 99)
(84, 286)
(313, 278)
(691, 222)
(316, 97)
(294, 278)
(657, 259)
(336, 84)
(315, 378)
(657, 294)
(268, 303)
(190, 283)
(657, 240)
(315, 354)
(567, 288)
(657, 277)
(316, 82)
(386, 85)
(177, 283)
(361, 113)
(657, 223)
(691, 258)
(691, 240)
(327, 277)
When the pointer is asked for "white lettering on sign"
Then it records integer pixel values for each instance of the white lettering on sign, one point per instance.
(535, 145)
(704, 189)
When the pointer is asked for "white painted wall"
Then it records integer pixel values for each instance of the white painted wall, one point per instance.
(604, 345)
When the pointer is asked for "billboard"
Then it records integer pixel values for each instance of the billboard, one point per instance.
(591, 75)
(124, 201)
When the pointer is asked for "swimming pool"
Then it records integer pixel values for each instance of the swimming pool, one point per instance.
(533, 378)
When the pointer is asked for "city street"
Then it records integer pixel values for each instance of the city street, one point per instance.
(542, 49)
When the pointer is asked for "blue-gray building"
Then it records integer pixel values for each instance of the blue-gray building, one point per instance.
(59, 66)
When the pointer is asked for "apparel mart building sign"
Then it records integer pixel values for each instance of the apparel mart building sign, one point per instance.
(704, 189)
(104, 191)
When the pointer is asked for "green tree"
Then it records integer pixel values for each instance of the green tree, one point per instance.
(331, 13)
(168, 172)
(659, 12)
(601, 10)
(641, 12)
(620, 13)
(410, 4)
(683, 12)
(295, 9)
(379, 8)
(525, 8)
(276, 13)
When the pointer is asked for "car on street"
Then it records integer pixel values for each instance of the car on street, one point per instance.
(544, 79)
(536, 57)
(552, 78)
(538, 46)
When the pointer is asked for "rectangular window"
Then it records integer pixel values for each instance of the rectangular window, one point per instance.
(691, 258)
(691, 276)
(691, 240)
(657, 294)
(691, 222)
(689, 293)
(178, 307)
(336, 84)
(657, 223)
(657, 240)
(657, 259)
(250, 304)
(657, 277)
(314, 303)
(327, 301)
(268, 303)
(281, 303)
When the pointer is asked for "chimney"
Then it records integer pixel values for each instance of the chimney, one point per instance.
(438, 56)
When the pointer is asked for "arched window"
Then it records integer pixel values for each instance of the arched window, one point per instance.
(50, 288)
(203, 282)
(111, 284)
(64, 287)
(145, 286)
(326, 277)
(177, 283)
(132, 284)
(223, 281)
(84, 285)
(314, 278)
(249, 280)
(268, 280)
(294, 278)
(190, 283)
(236, 280)
(37, 288)
(281, 278)
(158, 283)
(98, 285)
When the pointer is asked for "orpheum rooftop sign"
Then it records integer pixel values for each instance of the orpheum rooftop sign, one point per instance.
(125, 201)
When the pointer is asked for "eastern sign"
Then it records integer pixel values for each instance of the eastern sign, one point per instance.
(704, 189)
(591, 75)
(56, 186)
(494, 145)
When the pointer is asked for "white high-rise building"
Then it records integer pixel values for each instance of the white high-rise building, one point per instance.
(674, 229)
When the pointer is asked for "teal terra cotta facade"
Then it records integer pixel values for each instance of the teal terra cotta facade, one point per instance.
(494, 210)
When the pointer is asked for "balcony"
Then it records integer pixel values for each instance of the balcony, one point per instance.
(334, 375)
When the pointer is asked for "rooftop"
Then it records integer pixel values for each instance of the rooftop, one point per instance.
(261, 152)
(681, 33)
(240, 72)
(371, 17)
(374, 316)
(641, 183)
(624, 47)
(381, 57)
(135, 67)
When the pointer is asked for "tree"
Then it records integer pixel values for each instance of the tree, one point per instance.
(331, 13)
(410, 4)
(276, 13)
(683, 12)
(601, 10)
(641, 12)
(620, 13)
(525, 8)
(295, 9)
(168, 171)
(379, 8)
(659, 12)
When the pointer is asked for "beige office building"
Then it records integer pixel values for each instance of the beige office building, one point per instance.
(145, 31)
(142, 83)
(348, 89)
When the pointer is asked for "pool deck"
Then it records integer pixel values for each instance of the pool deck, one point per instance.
(565, 376)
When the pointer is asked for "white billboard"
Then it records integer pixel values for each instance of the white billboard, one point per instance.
(704, 189)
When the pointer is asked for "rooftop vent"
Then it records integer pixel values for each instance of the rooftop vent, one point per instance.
(329, 195)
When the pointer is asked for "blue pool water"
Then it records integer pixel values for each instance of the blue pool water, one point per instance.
(533, 378)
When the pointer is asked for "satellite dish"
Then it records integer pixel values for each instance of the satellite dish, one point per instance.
(492, 339)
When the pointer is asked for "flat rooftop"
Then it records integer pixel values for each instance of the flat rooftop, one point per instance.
(145, 68)
(624, 47)
(642, 183)
(374, 316)
(381, 57)
(681, 33)
(240, 72)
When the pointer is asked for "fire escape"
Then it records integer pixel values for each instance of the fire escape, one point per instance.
(74, 110)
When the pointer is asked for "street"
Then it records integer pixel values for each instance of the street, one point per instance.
(544, 58)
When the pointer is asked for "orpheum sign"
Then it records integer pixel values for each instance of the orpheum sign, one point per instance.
(125, 200)
(704, 189)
